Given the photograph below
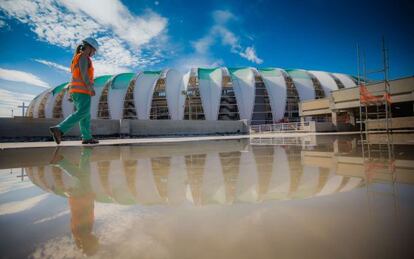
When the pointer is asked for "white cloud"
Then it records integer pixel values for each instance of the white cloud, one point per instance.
(124, 37)
(19, 206)
(135, 30)
(220, 32)
(202, 45)
(10, 100)
(2, 24)
(52, 64)
(50, 22)
(223, 16)
(103, 68)
(186, 63)
(250, 54)
(20, 76)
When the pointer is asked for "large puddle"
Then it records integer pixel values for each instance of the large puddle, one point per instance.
(299, 197)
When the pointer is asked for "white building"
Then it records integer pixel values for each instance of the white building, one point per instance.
(257, 95)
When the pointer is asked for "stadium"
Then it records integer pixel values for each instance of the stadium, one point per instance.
(259, 96)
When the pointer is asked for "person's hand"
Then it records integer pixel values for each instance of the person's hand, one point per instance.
(92, 91)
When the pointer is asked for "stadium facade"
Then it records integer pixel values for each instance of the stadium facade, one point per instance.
(260, 96)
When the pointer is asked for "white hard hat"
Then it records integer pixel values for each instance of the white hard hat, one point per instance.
(92, 42)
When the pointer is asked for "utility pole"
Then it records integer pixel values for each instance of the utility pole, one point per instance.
(12, 112)
(23, 106)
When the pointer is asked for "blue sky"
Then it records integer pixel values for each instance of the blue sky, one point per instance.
(38, 37)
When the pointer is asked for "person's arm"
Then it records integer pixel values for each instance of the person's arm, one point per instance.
(83, 67)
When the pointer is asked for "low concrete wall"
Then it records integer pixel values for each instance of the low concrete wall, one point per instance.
(19, 127)
(324, 127)
(330, 127)
(23, 127)
(185, 127)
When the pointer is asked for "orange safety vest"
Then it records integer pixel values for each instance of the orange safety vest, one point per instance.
(77, 85)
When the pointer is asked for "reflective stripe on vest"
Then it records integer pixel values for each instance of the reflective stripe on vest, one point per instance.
(77, 85)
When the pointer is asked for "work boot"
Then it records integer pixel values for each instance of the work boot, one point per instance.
(57, 134)
(90, 141)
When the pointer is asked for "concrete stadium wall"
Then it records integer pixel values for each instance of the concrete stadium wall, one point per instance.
(186, 127)
(23, 127)
(30, 127)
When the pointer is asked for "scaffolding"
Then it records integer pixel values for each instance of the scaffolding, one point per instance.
(375, 102)
(377, 149)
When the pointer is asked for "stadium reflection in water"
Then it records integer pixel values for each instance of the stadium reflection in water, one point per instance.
(263, 184)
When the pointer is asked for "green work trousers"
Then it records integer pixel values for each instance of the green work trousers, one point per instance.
(82, 115)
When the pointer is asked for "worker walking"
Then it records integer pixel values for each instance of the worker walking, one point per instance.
(80, 89)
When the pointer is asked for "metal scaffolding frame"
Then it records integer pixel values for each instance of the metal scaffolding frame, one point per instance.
(374, 105)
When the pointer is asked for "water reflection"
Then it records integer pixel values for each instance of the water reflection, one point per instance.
(257, 174)
(104, 188)
(81, 197)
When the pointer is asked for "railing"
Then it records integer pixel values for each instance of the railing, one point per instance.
(280, 127)
(306, 141)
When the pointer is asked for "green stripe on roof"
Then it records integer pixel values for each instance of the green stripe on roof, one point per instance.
(152, 72)
(233, 70)
(58, 88)
(121, 81)
(270, 72)
(204, 73)
(100, 81)
(239, 72)
(299, 74)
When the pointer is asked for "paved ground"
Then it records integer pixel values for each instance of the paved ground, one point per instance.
(107, 142)
(14, 145)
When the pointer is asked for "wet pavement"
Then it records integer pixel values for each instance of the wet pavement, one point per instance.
(292, 197)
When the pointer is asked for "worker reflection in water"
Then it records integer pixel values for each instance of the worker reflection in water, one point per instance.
(81, 200)
(81, 90)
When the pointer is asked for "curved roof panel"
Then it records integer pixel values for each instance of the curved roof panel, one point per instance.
(143, 92)
(346, 80)
(116, 94)
(99, 86)
(327, 82)
(210, 84)
(175, 84)
(276, 87)
(303, 84)
(244, 89)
